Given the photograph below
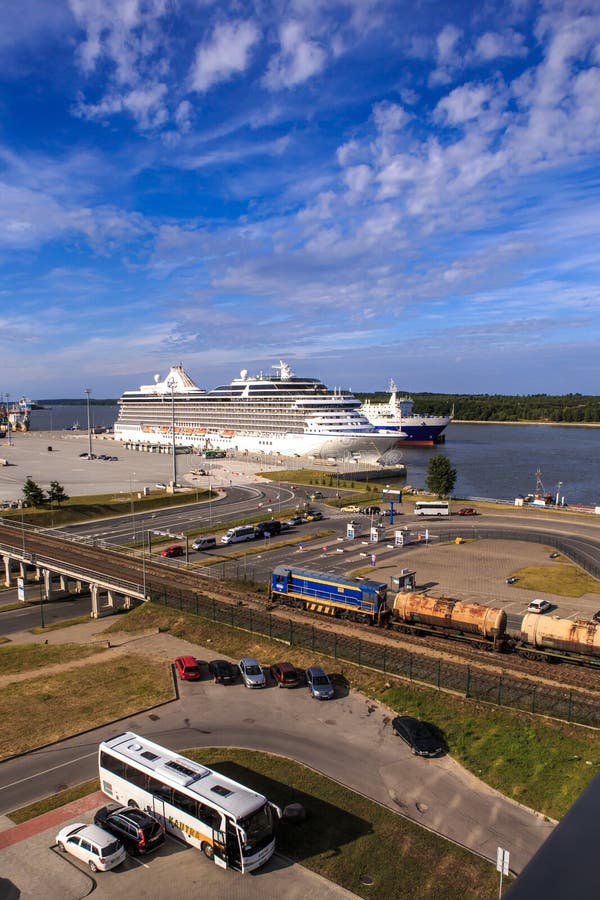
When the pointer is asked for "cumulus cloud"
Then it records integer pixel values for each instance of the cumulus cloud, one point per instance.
(298, 60)
(494, 44)
(226, 53)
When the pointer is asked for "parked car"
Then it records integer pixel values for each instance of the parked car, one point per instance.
(223, 671)
(511, 579)
(138, 831)
(252, 674)
(204, 543)
(351, 509)
(417, 735)
(319, 684)
(538, 606)
(467, 511)
(160, 484)
(314, 516)
(188, 668)
(553, 555)
(92, 845)
(370, 510)
(295, 520)
(285, 675)
(173, 550)
(271, 528)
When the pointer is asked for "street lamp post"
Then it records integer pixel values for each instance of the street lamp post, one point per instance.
(87, 392)
(131, 483)
(558, 487)
(171, 384)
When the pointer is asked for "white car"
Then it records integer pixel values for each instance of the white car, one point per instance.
(538, 606)
(252, 674)
(92, 845)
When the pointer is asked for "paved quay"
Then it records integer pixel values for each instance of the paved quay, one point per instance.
(29, 455)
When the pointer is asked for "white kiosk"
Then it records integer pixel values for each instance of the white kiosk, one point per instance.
(353, 530)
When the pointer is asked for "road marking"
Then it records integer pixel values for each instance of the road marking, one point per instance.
(45, 771)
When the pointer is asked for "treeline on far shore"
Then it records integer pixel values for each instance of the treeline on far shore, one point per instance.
(503, 408)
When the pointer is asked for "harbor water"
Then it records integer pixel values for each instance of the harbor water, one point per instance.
(492, 461)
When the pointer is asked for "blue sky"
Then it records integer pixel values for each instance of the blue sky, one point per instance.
(365, 189)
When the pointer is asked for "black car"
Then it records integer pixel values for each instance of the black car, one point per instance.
(596, 616)
(138, 831)
(417, 735)
(370, 510)
(223, 671)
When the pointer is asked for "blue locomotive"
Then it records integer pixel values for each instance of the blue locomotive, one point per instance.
(330, 594)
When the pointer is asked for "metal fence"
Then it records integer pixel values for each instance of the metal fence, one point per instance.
(498, 689)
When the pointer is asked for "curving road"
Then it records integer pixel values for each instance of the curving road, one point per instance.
(350, 739)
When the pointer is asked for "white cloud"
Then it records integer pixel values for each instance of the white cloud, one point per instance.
(463, 103)
(494, 44)
(225, 54)
(298, 60)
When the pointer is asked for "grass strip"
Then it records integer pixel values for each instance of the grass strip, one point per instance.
(47, 804)
(64, 623)
(28, 657)
(558, 578)
(60, 705)
(539, 762)
(351, 840)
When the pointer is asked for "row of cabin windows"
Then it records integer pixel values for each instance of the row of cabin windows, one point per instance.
(163, 792)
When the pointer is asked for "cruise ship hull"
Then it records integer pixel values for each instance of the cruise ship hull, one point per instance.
(289, 444)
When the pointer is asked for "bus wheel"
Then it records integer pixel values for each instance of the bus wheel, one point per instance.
(208, 851)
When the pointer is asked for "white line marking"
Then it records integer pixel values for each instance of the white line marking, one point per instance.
(45, 771)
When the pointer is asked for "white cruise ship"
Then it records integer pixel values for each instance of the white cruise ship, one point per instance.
(280, 414)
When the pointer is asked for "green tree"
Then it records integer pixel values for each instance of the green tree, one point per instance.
(441, 477)
(33, 495)
(56, 494)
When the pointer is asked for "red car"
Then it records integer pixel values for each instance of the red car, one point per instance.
(173, 550)
(188, 668)
(284, 675)
(467, 511)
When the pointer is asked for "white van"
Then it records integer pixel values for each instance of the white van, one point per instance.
(238, 534)
(204, 543)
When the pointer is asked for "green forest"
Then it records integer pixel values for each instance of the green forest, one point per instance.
(502, 408)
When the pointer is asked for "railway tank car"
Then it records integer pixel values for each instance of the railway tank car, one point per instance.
(546, 637)
(330, 594)
(483, 625)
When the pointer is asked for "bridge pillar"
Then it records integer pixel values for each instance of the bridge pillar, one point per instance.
(8, 570)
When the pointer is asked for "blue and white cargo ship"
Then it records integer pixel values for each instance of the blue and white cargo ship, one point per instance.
(419, 429)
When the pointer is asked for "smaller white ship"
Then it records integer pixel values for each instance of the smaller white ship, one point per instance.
(419, 429)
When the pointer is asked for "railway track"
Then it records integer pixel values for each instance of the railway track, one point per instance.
(164, 580)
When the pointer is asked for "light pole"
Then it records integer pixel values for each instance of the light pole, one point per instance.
(87, 393)
(8, 426)
(132, 505)
(558, 487)
(171, 384)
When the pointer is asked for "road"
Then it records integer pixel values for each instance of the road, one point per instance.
(349, 739)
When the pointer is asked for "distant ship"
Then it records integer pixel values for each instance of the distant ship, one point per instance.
(279, 414)
(16, 415)
(420, 429)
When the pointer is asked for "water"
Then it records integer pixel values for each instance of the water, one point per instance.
(500, 461)
(495, 461)
(58, 418)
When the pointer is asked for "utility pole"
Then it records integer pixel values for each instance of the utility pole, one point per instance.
(87, 392)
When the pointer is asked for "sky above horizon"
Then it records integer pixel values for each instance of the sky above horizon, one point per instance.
(366, 189)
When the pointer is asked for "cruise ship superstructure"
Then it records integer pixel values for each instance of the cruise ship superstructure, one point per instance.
(280, 414)
(419, 429)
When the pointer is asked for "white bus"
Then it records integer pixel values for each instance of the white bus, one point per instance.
(432, 508)
(231, 824)
(238, 534)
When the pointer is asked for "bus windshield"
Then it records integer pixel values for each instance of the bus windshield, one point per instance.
(258, 828)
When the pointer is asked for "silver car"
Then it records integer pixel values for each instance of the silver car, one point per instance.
(251, 672)
(319, 684)
(92, 845)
